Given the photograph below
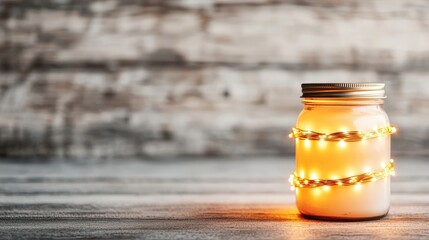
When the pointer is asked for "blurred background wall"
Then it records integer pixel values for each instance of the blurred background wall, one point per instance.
(142, 78)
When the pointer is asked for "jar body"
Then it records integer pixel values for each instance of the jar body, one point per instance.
(338, 159)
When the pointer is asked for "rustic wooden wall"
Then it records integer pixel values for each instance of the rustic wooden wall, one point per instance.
(133, 78)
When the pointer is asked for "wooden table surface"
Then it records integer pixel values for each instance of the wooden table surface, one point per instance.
(188, 199)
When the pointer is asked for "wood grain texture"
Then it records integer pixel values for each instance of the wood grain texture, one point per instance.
(188, 199)
(142, 78)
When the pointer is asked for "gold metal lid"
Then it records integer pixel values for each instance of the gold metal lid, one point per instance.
(343, 90)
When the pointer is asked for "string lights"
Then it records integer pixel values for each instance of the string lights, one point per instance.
(347, 136)
(299, 182)
(342, 137)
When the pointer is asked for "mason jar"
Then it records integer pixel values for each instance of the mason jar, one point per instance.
(343, 163)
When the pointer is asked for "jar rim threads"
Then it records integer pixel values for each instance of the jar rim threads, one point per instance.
(343, 90)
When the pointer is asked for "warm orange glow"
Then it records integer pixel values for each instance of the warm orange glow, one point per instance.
(358, 186)
(307, 143)
(339, 153)
(322, 143)
(342, 143)
(316, 192)
(347, 136)
(314, 182)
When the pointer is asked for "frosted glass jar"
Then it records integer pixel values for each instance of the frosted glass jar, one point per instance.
(354, 139)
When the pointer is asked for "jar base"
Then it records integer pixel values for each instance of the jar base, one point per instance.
(342, 219)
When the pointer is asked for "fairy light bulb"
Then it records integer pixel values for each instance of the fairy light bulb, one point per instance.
(342, 143)
(307, 143)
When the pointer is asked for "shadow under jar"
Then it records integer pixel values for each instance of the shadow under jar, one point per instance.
(343, 163)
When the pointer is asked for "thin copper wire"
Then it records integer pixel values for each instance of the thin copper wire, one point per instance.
(348, 136)
(298, 182)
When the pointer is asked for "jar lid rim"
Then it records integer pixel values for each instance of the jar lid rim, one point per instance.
(343, 90)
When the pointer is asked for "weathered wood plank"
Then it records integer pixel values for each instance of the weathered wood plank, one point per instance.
(126, 78)
(293, 34)
(170, 188)
(192, 199)
(254, 169)
(230, 112)
(224, 221)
